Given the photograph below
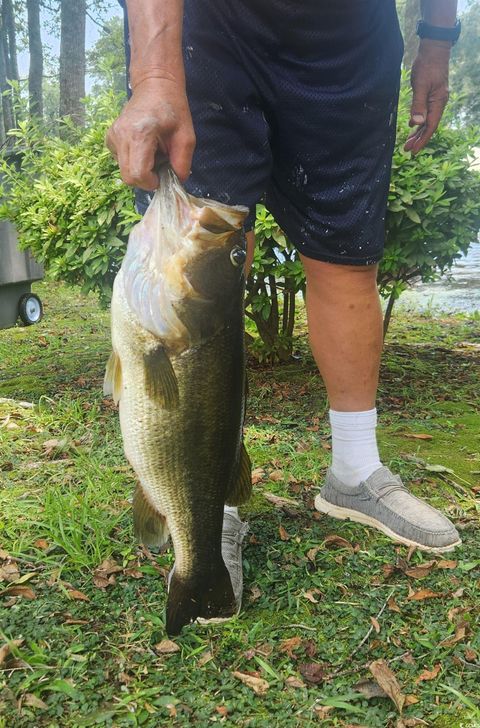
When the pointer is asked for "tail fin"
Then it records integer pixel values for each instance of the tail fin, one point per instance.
(209, 597)
(149, 525)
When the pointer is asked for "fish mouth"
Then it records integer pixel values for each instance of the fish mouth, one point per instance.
(175, 231)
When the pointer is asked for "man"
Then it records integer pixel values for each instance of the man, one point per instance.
(297, 101)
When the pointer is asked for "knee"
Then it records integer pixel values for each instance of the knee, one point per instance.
(335, 277)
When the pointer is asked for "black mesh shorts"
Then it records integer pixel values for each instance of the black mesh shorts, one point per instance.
(294, 103)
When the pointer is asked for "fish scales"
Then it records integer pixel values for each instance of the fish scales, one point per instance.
(179, 377)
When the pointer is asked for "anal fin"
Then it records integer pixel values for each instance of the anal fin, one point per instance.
(112, 383)
(160, 379)
(241, 487)
(149, 525)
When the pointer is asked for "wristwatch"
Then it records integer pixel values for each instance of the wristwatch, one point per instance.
(435, 32)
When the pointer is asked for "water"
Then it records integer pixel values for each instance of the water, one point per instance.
(459, 291)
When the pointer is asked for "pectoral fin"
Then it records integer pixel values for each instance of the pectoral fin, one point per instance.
(112, 383)
(241, 487)
(160, 380)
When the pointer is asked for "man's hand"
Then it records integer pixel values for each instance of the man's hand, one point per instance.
(154, 124)
(430, 92)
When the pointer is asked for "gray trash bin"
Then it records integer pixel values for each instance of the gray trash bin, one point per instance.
(18, 270)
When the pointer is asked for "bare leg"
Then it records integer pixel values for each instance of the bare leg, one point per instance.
(345, 328)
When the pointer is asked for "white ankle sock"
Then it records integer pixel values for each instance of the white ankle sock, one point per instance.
(354, 445)
(233, 510)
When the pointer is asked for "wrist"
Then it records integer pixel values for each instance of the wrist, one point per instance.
(155, 77)
(435, 49)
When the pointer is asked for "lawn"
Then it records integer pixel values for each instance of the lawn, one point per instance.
(82, 639)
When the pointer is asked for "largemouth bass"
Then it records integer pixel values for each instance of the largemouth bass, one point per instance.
(177, 371)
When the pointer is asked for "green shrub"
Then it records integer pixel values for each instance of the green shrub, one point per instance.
(71, 208)
(67, 200)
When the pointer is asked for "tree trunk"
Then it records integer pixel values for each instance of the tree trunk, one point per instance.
(11, 40)
(388, 313)
(5, 89)
(412, 14)
(72, 59)
(35, 74)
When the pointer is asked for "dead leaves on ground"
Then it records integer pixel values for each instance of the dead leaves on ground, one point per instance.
(253, 681)
(429, 674)
(387, 680)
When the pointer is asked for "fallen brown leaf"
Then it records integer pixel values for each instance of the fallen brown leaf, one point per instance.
(333, 540)
(420, 436)
(375, 624)
(6, 649)
(388, 682)
(370, 689)
(470, 655)
(133, 573)
(257, 475)
(276, 476)
(410, 722)
(393, 606)
(19, 591)
(411, 699)
(283, 534)
(310, 595)
(41, 543)
(422, 594)
(312, 553)
(257, 684)
(419, 572)
(294, 682)
(222, 710)
(77, 595)
(445, 564)
(322, 711)
(9, 572)
(460, 633)
(205, 657)
(33, 702)
(278, 501)
(429, 674)
(287, 646)
(166, 647)
(312, 672)
(255, 593)
(4, 555)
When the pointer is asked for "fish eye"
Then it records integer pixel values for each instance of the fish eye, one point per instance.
(238, 256)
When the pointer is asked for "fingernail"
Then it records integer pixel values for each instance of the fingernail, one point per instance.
(418, 119)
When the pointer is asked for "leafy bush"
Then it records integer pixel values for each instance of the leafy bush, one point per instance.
(68, 202)
(277, 276)
(433, 208)
(71, 208)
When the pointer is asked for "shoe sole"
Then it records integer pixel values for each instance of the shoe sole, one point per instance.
(347, 514)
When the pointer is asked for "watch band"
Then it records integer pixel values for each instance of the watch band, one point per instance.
(435, 32)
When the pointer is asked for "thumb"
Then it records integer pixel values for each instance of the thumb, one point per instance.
(418, 112)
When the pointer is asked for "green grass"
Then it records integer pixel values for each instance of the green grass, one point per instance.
(87, 654)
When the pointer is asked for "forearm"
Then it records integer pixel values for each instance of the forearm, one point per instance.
(156, 40)
(442, 13)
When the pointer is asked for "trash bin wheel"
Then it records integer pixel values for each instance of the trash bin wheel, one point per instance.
(30, 309)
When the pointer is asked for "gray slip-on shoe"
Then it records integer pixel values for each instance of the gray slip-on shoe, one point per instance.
(233, 533)
(382, 501)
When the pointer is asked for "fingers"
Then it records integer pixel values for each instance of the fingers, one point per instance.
(136, 160)
(426, 113)
(181, 152)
